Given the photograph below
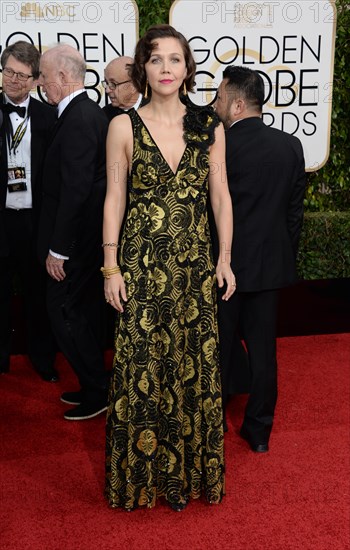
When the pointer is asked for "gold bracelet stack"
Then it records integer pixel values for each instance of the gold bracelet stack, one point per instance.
(112, 245)
(108, 271)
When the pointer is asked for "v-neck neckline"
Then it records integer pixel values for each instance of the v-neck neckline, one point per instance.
(160, 152)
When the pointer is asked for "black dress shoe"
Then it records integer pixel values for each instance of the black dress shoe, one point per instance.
(50, 375)
(261, 448)
(178, 506)
(256, 447)
(84, 411)
(4, 369)
(72, 397)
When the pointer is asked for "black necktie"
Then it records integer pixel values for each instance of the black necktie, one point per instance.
(9, 108)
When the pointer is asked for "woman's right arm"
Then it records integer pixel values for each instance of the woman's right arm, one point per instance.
(119, 151)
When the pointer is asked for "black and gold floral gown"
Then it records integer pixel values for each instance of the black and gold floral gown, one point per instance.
(164, 421)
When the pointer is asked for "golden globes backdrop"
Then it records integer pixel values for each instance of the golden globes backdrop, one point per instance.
(290, 43)
(100, 30)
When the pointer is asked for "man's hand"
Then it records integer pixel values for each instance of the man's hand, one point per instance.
(54, 267)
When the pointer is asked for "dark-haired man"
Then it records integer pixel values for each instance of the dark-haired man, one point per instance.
(24, 132)
(266, 175)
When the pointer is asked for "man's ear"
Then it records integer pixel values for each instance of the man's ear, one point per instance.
(239, 106)
(63, 77)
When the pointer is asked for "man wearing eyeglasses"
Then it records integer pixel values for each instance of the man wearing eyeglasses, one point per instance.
(24, 133)
(119, 88)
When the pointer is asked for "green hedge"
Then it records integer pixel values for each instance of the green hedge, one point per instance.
(324, 251)
(329, 187)
(153, 12)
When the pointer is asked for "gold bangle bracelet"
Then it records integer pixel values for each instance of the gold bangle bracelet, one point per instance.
(112, 245)
(108, 271)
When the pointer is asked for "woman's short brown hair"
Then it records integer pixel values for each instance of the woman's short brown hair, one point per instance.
(144, 49)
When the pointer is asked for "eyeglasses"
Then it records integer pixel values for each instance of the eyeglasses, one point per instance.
(113, 85)
(21, 76)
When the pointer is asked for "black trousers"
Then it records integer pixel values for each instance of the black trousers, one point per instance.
(255, 313)
(76, 310)
(21, 262)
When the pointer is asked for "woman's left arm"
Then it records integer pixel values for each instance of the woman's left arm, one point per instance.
(221, 203)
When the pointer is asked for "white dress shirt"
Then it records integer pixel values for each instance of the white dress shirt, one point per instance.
(20, 158)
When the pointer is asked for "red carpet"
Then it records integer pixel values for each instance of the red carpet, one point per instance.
(294, 497)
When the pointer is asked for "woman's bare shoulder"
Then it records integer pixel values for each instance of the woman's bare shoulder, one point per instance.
(120, 127)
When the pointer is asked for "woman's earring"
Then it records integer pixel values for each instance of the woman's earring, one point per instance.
(184, 91)
(145, 95)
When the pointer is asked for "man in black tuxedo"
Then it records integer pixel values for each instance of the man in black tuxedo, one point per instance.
(24, 133)
(119, 88)
(1, 121)
(70, 229)
(266, 175)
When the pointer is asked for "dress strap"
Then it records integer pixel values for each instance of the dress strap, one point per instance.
(133, 117)
(135, 123)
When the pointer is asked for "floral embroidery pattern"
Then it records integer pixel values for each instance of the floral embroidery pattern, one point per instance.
(164, 422)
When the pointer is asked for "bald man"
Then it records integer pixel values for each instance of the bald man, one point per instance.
(70, 229)
(119, 88)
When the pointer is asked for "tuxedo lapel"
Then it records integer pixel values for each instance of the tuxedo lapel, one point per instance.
(3, 161)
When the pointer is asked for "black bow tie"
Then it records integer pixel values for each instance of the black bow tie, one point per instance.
(9, 108)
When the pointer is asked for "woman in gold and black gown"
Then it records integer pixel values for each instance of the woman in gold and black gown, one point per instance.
(164, 422)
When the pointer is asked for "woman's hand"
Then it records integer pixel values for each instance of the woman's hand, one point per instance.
(115, 292)
(224, 274)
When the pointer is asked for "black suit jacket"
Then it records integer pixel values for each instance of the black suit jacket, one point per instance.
(74, 183)
(42, 118)
(266, 175)
(112, 111)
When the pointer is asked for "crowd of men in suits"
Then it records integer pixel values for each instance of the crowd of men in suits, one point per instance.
(52, 187)
(53, 181)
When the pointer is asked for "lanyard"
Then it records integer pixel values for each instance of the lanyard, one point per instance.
(17, 137)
